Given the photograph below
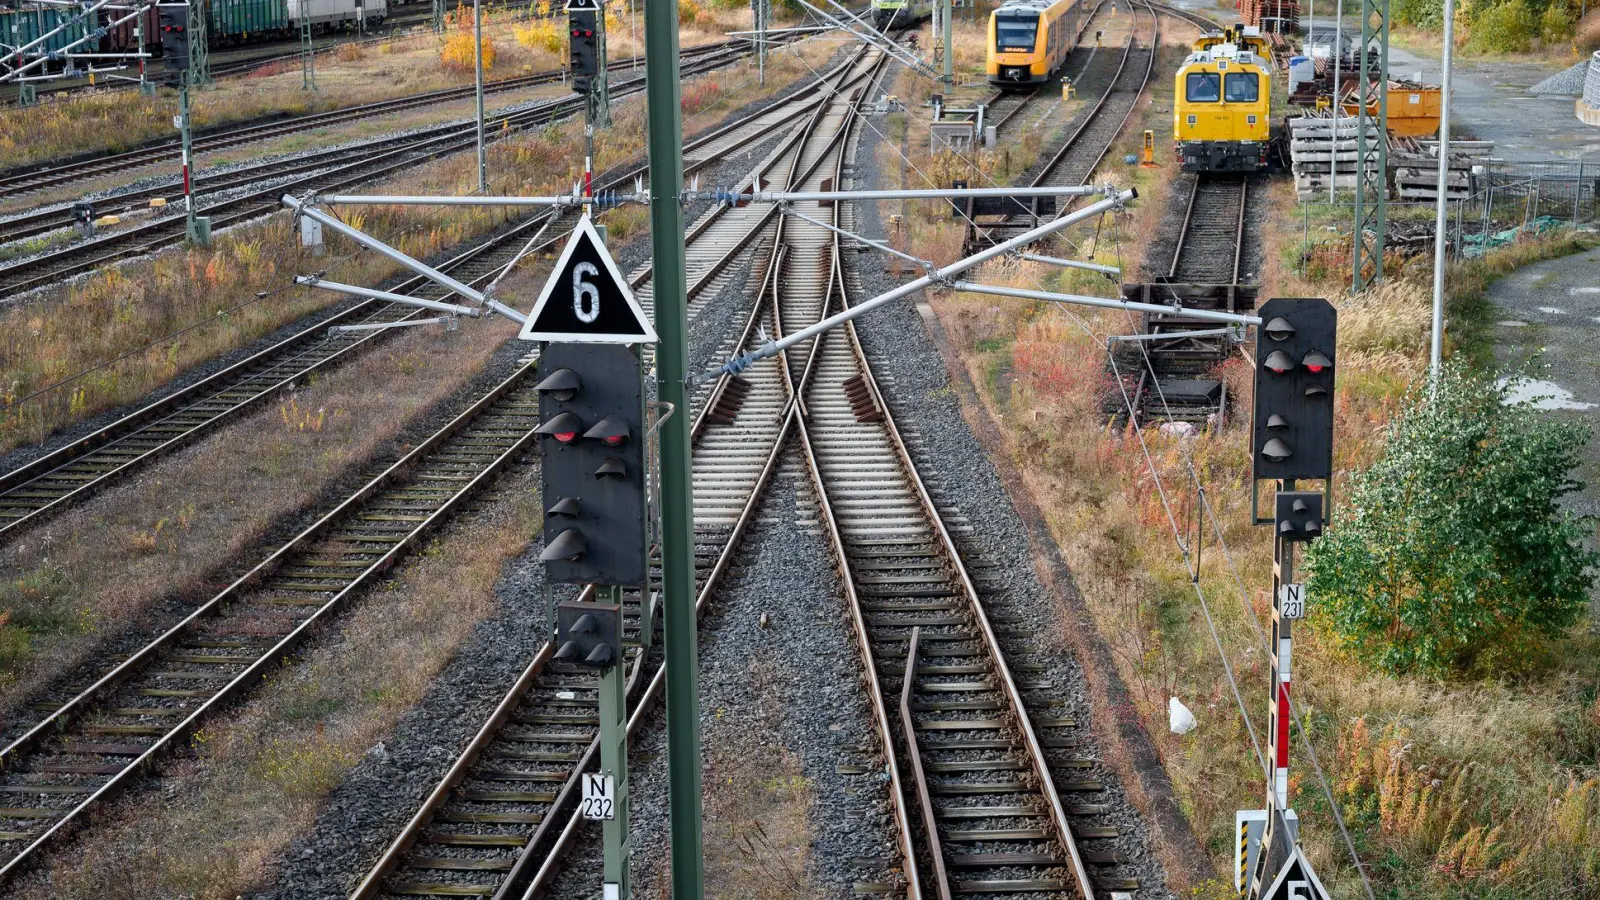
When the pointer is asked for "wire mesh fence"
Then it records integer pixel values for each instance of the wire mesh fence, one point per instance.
(1505, 201)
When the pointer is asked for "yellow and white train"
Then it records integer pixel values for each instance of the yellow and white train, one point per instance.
(1030, 39)
(1222, 107)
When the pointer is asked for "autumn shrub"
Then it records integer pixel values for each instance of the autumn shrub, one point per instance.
(1451, 550)
(688, 11)
(543, 35)
(460, 51)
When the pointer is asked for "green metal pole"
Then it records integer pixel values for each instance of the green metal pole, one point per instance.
(614, 762)
(664, 122)
(947, 23)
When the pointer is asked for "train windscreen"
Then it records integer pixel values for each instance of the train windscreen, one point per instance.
(1242, 87)
(1204, 87)
(1015, 32)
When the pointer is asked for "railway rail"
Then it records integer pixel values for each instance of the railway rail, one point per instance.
(980, 758)
(476, 834)
(111, 733)
(30, 493)
(1093, 130)
(17, 183)
(1175, 377)
(340, 169)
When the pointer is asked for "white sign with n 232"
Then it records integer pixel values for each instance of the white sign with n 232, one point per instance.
(599, 801)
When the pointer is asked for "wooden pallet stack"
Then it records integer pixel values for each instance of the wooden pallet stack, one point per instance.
(1415, 165)
(1271, 16)
(1322, 151)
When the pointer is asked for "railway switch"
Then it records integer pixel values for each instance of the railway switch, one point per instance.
(1292, 433)
(589, 634)
(591, 412)
(174, 21)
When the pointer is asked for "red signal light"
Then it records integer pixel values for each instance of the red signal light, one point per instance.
(565, 437)
(614, 440)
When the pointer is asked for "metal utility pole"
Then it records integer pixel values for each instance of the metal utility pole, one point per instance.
(1372, 150)
(199, 52)
(1436, 345)
(599, 85)
(762, 10)
(308, 57)
(664, 125)
(947, 27)
(146, 88)
(1291, 439)
(477, 81)
(1338, 108)
(197, 229)
(618, 858)
(438, 16)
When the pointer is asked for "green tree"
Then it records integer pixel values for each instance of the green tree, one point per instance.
(1557, 23)
(1424, 14)
(1504, 28)
(1451, 550)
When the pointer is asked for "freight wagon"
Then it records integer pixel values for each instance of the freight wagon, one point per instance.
(19, 27)
(121, 38)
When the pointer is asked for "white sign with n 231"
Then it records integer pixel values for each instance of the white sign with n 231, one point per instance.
(1292, 601)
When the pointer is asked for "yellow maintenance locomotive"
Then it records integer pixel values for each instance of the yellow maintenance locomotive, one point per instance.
(1030, 39)
(1222, 108)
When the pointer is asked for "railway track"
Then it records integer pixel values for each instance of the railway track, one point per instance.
(1097, 129)
(1210, 247)
(21, 182)
(353, 166)
(76, 471)
(239, 61)
(980, 758)
(1092, 130)
(475, 837)
(1175, 377)
(112, 732)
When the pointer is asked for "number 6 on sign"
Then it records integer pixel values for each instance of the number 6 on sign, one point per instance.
(585, 296)
(600, 308)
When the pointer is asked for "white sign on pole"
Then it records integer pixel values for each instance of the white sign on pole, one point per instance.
(586, 300)
(1292, 600)
(599, 797)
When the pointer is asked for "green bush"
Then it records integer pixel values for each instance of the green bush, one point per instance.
(1425, 14)
(1451, 550)
(1504, 28)
(1557, 24)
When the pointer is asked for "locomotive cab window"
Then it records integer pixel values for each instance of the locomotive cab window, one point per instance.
(1204, 87)
(1015, 32)
(1242, 87)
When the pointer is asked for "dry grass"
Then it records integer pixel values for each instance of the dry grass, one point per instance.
(118, 310)
(170, 532)
(1452, 790)
(259, 776)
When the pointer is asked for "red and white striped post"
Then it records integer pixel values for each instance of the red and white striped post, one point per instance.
(1279, 718)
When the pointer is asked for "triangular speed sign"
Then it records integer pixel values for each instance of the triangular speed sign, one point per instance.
(1296, 881)
(586, 300)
